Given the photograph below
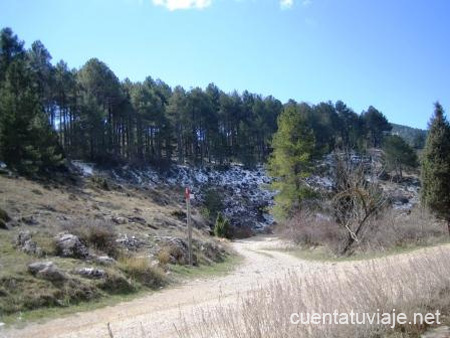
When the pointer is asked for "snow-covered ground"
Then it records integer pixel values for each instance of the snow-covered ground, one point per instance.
(245, 192)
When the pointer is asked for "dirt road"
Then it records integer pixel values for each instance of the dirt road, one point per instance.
(158, 314)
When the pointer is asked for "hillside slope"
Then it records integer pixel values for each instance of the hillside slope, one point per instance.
(62, 243)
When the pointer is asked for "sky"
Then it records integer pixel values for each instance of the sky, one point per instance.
(391, 54)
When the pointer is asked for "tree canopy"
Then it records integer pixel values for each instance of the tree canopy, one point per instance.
(90, 114)
(398, 155)
(436, 166)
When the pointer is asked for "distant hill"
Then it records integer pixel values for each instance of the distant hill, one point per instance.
(414, 136)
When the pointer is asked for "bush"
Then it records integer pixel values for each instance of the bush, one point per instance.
(213, 204)
(98, 235)
(116, 282)
(139, 269)
(164, 256)
(310, 230)
(390, 229)
(240, 232)
(396, 229)
(222, 227)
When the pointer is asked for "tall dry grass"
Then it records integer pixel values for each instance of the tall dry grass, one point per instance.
(406, 283)
(388, 230)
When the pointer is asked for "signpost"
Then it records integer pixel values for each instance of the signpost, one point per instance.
(187, 195)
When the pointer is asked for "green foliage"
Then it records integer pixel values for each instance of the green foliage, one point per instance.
(290, 163)
(415, 137)
(376, 125)
(222, 227)
(96, 117)
(28, 142)
(398, 154)
(436, 166)
(350, 128)
(11, 48)
(213, 203)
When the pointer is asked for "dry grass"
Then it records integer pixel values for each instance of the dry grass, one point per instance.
(140, 270)
(390, 230)
(96, 234)
(84, 210)
(164, 256)
(406, 284)
(394, 229)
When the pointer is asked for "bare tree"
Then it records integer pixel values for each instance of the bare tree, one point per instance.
(357, 197)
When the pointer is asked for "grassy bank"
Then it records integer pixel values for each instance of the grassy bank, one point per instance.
(176, 274)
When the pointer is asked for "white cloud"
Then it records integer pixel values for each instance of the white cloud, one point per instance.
(286, 4)
(173, 5)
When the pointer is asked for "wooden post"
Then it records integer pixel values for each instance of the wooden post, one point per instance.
(189, 225)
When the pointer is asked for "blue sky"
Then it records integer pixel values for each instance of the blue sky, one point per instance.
(392, 54)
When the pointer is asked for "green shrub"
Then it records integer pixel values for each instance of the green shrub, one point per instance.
(222, 227)
(213, 203)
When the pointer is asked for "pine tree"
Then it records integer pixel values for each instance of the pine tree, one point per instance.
(28, 142)
(436, 166)
(290, 162)
(398, 154)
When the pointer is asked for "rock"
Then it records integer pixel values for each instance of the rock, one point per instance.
(29, 220)
(90, 272)
(130, 242)
(69, 245)
(46, 270)
(178, 250)
(119, 220)
(25, 243)
(4, 218)
(213, 251)
(52, 274)
(136, 219)
(34, 268)
(104, 260)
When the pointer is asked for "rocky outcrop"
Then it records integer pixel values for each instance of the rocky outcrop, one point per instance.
(104, 260)
(47, 271)
(245, 192)
(131, 243)
(69, 245)
(212, 250)
(177, 248)
(25, 243)
(119, 220)
(90, 272)
(4, 218)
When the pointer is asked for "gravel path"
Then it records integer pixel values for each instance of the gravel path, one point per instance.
(158, 314)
